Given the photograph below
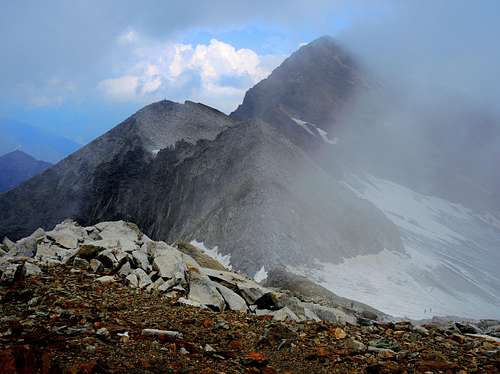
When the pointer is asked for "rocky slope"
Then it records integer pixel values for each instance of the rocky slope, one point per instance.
(65, 321)
(118, 250)
(17, 167)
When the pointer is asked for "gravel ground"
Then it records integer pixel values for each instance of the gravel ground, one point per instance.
(65, 321)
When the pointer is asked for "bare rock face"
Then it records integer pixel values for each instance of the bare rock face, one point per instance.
(65, 190)
(312, 85)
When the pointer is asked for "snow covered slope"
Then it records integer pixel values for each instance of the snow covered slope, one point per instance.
(450, 266)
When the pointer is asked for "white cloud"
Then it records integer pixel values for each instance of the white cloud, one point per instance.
(128, 37)
(50, 93)
(42, 101)
(120, 89)
(216, 73)
(217, 59)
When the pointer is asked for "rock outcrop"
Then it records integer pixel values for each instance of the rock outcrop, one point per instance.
(120, 252)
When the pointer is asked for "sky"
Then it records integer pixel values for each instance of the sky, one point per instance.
(80, 67)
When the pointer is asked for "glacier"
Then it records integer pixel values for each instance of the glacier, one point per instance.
(449, 265)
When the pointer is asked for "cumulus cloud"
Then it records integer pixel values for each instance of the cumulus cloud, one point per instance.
(122, 88)
(216, 73)
(48, 93)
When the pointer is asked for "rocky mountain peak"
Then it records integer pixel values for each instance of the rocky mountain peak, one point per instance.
(311, 85)
(165, 122)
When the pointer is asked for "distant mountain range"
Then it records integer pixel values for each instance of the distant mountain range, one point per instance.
(17, 167)
(41, 144)
(313, 172)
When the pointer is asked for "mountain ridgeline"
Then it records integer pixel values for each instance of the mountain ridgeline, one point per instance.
(277, 183)
(187, 171)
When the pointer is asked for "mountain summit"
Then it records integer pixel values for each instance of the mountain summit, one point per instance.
(312, 85)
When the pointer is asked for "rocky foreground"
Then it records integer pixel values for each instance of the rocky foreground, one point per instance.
(108, 299)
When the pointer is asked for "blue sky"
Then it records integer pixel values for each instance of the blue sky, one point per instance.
(78, 68)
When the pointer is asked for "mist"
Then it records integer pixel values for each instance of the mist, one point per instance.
(427, 114)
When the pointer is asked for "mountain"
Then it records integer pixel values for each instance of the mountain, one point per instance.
(17, 167)
(37, 142)
(312, 85)
(295, 178)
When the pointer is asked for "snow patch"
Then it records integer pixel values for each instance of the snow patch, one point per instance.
(304, 125)
(400, 285)
(325, 137)
(261, 275)
(214, 253)
(449, 266)
(309, 127)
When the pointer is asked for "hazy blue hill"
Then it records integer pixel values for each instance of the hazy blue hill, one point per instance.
(17, 167)
(41, 144)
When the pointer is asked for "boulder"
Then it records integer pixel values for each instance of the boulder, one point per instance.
(125, 270)
(106, 279)
(80, 263)
(169, 263)
(96, 265)
(125, 233)
(156, 249)
(171, 283)
(143, 279)
(184, 301)
(223, 276)
(233, 300)
(285, 314)
(112, 258)
(251, 291)
(89, 250)
(64, 238)
(132, 280)
(331, 314)
(27, 247)
(203, 291)
(30, 269)
(141, 260)
(10, 272)
(9, 245)
(155, 285)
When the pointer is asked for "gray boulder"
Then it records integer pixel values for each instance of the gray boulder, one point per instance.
(169, 262)
(143, 279)
(30, 269)
(96, 265)
(251, 291)
(132, 280)
(125, 270)
(204, 291)
(141, 260)
(9, 272)
(233, 300)
(285, 314)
